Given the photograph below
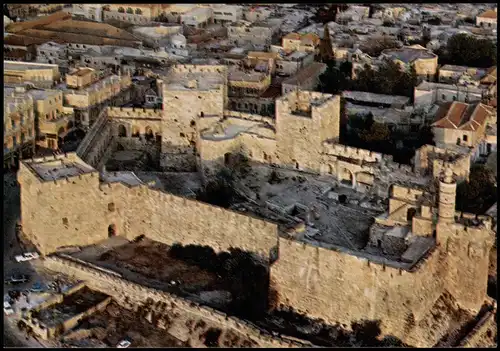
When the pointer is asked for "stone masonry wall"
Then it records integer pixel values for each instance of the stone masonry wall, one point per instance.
(339, 287)
(119, 288)
(78, 211)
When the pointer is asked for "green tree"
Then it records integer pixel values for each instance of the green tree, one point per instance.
(335, 79)
(479, 193)
(466, 50)
(376, 133)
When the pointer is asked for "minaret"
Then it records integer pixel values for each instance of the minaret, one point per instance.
(447, 197)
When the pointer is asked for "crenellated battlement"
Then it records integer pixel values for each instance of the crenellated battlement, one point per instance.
(199, 69)
(406, 193)
(351, 152)
(127, 112)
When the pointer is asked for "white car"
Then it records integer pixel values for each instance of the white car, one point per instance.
(7, 308)
(28, 256)
(123, 344)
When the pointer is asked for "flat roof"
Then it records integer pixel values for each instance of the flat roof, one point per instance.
(363, 96)
(204, 80)
(37, 94)
(24, 66)
(409, 54)
(60, 168)
(125, 177)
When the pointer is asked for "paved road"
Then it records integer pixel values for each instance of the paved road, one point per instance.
(11, 213)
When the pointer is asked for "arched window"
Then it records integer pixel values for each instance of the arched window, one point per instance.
(138, 11)
(136, 133)
(130, 11)
(122, 131)
(121, 10)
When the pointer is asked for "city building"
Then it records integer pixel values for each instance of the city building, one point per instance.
(133, 13)
(18, 125)
(40, 74)
(487, 19)
(304, 43)
(428, 93)
(198, 17)
(227, 14)
(424, 61)
(307, 78)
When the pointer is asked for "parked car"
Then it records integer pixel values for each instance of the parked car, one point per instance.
(28, 256)
(123, 344)
(7, 308)
(17, 279)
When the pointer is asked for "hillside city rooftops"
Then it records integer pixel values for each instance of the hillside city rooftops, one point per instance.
(408, 54)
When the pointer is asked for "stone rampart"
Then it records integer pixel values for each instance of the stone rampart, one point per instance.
(199, 68)
(120, 288)
(304, 275)
(78, 210)
(249, 116)
(132, 112)
(352, 152)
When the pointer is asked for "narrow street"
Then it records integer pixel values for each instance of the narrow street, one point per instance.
(11, 213)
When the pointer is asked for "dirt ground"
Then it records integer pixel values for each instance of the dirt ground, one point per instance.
(151, 259)
(116, 323)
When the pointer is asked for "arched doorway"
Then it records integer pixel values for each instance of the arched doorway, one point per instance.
(347, 178)
(122, 131)
(149, 134)
(227, 158)
(111, 230)
(135, 132)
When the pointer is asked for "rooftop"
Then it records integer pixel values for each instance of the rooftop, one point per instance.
(193, 80)
(429, 86)
(37, 94)
(66, 167)
(409, 54)
(361, 96)
(312, 70)
(242, 76)
(125, 177)
(489, 14)
(459, 115)
(25, 66)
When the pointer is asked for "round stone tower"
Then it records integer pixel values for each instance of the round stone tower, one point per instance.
(447, 197)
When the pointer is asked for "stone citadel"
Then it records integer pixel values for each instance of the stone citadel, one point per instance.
(418, 251)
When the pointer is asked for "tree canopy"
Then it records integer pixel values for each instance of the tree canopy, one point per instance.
(389, 79)
(466, 50)
(479, 193)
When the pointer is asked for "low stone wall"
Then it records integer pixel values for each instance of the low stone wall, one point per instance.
(120, 288)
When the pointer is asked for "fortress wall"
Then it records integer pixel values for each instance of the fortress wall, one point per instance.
(76, 201)
(171, 219)
(352, 152)
(119, 288)
(404, 193)
(339, 287)
(78, 211)
(248, 116)
(136, 113)
(468, 251)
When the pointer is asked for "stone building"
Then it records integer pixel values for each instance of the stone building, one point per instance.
(41, 75)
(424, 61)
(18, 125)
(88, 91)
(225, 14)
(93, 12)
(428, 93)
(303, 43)
(305, 79)
(487, 19)
(451, 74)
(198, 17)
(259, 34)
(459, 123)
(133, 13)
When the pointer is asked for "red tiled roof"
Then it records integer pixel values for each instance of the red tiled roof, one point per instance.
(458, 115)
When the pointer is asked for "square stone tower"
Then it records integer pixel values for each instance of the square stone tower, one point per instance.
(191, 95)
(304, 121)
